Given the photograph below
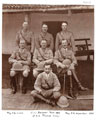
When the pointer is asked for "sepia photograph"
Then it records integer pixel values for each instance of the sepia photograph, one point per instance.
(47, 57)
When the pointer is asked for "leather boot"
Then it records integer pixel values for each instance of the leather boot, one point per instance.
(24, 89)
(13, 85)
(70, 91)
(80, 87)
(78, 82)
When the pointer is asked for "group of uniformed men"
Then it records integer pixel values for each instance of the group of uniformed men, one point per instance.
(39, 51)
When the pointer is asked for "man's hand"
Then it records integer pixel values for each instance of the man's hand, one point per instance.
(45, 62)
(43, 93)
(67, 66)
(49, 92)
(19, 62)
(46, 93)
(64, 66)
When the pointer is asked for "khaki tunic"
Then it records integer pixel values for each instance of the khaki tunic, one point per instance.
(19, 55)
(62, 54)
(28, 37)
(65, 36)
(48, 37)
(39, 60)
(50, 82)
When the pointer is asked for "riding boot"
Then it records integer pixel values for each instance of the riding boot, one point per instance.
(24, 89)
(70, 90)
(13, 85)
(80, 87)
(78, 82)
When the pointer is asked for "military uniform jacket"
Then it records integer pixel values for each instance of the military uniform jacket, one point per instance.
(19, 55)
(40, 56)
(50, 82)
(65, 36)
(62, 54)
(28, 37)
(48, 37)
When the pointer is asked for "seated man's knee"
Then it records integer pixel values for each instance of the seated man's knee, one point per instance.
(56, 95)
(34, 93)
(25, 73)
(12, 73)
(35, 73)
(69, 72)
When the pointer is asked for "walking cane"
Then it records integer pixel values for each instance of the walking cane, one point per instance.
(64, 84)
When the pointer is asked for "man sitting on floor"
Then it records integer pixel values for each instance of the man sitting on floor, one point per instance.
(47, 86)
(20, 60)
(42, 56)
(65, 61)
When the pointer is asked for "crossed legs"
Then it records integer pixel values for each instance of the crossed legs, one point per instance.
(55, 96)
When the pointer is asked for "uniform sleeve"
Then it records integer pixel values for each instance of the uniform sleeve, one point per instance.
(73, 43)
(56, 61)
(32, 42)
(50, 60)
(35, 57)
(57, 85)
(57, 42)
(51, 54)
(29, 58)
(52, 43)
(12, 58)
(17, 39)
(37, 84)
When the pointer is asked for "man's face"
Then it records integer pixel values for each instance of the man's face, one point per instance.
(43, 44)
(47, 69)
(64, 26)
(44, 28)
(22, 44)
(25, 26)
(64, 44)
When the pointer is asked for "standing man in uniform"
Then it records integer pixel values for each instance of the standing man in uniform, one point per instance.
(20, 60)
(27, 35)
(42, 56)
(65, 35)
(65, 59)
(47, 86)
(44, 35)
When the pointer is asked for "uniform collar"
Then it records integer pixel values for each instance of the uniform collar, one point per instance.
(64, 31)
(21, 50)
(64, 49)
(43, 34)
(45, 49)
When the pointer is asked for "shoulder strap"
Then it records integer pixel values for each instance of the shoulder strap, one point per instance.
(22, 36)
(47, 83)
(41, 54)
(61, 54)
(20, 57)
(61, 35)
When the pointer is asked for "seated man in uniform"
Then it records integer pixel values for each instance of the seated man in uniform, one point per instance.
(22, 59)
(65, 61)
(47, 86)
(42, 56)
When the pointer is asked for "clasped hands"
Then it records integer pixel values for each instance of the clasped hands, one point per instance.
(46, 93)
